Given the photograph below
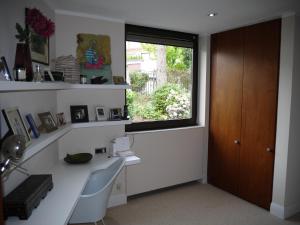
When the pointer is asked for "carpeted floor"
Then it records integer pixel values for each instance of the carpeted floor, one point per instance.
(194, 204)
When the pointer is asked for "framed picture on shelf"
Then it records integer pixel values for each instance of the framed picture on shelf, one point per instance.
(118, 80)
(48, 122)
(115, 114)
(100, 113)
(60, 119)
(39, 45)
(32, 125)
(4, 71)
(15, 123)
(79, 113)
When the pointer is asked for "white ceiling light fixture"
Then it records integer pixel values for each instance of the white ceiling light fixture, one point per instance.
(212, 14)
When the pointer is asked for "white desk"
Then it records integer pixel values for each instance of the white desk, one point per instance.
(69, 181)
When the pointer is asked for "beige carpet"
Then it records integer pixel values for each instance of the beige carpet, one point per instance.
(195, 204)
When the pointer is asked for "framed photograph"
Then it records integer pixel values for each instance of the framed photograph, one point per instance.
(48, 122)
(32, 125)
(16, 124)
(60, 119)
(100, 113)
(79, 113)
(115, 114)
(39, 46)
(4, 71)
(118, 80)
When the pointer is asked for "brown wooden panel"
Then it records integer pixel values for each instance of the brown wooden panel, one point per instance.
(225, 109)
(260, 84)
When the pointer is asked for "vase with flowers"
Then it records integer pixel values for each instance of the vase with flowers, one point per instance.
(36, 32)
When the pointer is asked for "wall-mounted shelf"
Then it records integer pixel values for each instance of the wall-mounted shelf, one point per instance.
(44, 140)
(18, 86)
(101, 123)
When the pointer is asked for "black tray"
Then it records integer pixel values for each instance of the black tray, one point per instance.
(79, 158)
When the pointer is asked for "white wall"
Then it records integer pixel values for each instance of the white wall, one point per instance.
(286, 184)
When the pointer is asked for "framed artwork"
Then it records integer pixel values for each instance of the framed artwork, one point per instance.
(118, 80)
(60, 119)
(32, 125)
(48, 122)
(100, 113)
(16, 124)
(79, 114)
(115, 114)
(39, 46)
(4, 71)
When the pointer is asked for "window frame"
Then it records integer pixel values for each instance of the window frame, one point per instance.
(162, 36)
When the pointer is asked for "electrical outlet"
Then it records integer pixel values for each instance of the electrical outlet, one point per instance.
(100, 150)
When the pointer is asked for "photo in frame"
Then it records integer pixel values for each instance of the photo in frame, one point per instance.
(39, 45)
(60, 119)
(32, 125)
(100, 113)
(79, 114)
(4, 71)
(48, 122)
(16, 124)
(115, 114)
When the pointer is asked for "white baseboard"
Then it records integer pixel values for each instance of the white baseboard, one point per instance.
(284, 212)
(116, 200)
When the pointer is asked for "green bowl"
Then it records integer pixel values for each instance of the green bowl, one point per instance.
(79, 158)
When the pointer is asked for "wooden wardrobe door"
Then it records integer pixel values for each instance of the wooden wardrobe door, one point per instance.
(225, 109)
(260, 87)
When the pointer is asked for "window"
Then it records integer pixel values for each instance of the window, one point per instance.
(162, 68)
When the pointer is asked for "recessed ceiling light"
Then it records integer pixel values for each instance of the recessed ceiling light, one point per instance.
(212, 14)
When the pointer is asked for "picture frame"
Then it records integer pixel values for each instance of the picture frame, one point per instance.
(48, 122)
(16, 123)
(61, 119)
(115, 114)
(39, 46)
(79, 114)
(118, 80)
(4, 71)
(100, 113)
(32, 125)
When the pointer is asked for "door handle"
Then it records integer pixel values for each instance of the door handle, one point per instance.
(237, 142)
(268, 149)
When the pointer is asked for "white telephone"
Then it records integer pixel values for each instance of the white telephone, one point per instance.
(121, 147)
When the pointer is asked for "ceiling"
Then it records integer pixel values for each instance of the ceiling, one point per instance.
(180, 15)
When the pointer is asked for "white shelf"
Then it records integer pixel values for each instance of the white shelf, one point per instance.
(17, 86)
(101, 123)
(44, 140)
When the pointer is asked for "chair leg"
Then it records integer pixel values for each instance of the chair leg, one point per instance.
(103, 221)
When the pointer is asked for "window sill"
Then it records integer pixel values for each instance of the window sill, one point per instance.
(164, 130)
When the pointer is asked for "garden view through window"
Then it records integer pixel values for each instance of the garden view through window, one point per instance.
(161, 82)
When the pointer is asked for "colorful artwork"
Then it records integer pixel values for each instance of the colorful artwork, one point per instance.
(93, 55)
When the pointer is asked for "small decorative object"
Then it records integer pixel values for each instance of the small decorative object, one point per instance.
(70, 68)
(4, 71)
(118, 80)
(27, 196)
(41, 28)
(23, 57)
(115, 114)
(79, 158)
(60, 119)
(38, 75)
(13, 147)
(16, 124)
(98, 80)
(79, 113)
(47, 121)
(125, 113)
(83, 79)
(32, 125)
(53, 75)
(94, 57)
(20, 74)
(100, 113)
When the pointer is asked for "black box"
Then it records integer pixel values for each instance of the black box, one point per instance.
(27, 196)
